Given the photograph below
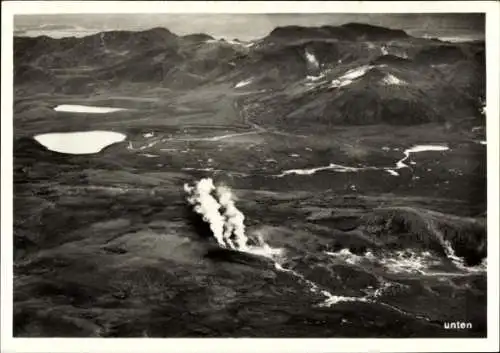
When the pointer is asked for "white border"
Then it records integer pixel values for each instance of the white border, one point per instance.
(49, 7)
(10, 344)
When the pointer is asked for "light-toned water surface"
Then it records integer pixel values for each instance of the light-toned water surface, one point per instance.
(70, 108)
(85, 142)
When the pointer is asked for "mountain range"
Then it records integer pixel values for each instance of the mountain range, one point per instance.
(349, 75)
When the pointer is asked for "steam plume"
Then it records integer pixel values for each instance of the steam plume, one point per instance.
(217, 207)
(224, 218)
(200, 196)
(234, 218)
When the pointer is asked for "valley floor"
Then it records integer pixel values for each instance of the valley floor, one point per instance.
(106, 245)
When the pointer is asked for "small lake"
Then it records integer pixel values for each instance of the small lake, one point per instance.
(84, 142)
(86, 109)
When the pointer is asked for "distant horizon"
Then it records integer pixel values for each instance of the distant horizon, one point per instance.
(248, 26)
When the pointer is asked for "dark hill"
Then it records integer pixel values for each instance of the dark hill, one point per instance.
(120, 40)
(440, 54)
(93, 50)
(298, 32)
(371, 32)
(349, 31)
(282, 64)
(148, 66)
(197, 37)
(384, 94)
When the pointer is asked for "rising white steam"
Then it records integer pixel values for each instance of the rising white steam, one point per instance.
(217, 207)
(200, 196)
(233, 218)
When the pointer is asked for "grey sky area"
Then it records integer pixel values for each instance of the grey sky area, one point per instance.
(250, 26)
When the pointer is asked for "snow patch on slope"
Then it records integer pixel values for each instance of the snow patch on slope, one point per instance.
(312, 59)
(243, 83)
(392, 80)
(350, 76)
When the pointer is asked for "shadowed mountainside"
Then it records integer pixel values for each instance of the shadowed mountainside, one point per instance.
(351, 74)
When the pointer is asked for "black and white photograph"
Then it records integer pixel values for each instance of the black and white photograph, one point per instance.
(257, 174)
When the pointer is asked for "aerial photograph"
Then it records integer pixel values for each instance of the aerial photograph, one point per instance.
(249, 175)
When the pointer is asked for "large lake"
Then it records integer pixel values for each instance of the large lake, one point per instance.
(85, 142)
(86, 109)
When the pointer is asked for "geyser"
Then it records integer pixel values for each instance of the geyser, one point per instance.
(215, 204)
